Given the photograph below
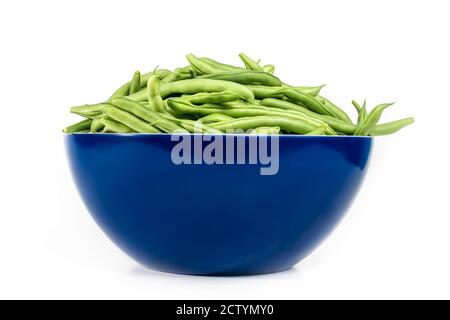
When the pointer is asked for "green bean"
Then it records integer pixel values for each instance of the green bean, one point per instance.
(146, 105)
(266, 130)
(135, 84)
(184, 70)
(180, 106)
(269, 68)
(334, 123)
(391, 127)
(249, 63)
(173, 76)
(176, 76)
(88, 111)
(199, 127)
(138, 110)
(356, 105)
(112, 126)
(293, 110)
(154, 95)
(201, 67)
(262, 92)
(334, 110)
(198, 85)
(124, 90)
(317, 132)
(215, 117)
(79, 126)
(246, 77)
(362, 115)
(179, 74)
(128, 119)
(96, 125)
(192, 126)
(285, 123)
(212, 97)
(312, 91)
(206, 85)
(221, 66)
(309, 102)
(371, 121)
(162, 73)
(208, 96)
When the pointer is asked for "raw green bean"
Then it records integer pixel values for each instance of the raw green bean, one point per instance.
(198, 85)
(285, 123)
(192, 126)
(154, 95)
(212, 97)
(184, 70)
(312, 91)
(249, 63)
(371, 121)
(128, 119)
(246, 77)
(391, 127)
(112, 126)
(88, 111)
(362, 115)
(179, 74)
(199, 127)
(138, 110)
(317, 132)
(124, 90)
(262, 92)
(200, 66)
(162, 73)
(97, 125)
(334, 110)
(236, 110)
(266, 130)
(176, 76)
(309, 102)
(79, 126)
(135, 84)
(334, 123)
(279, 107)
(215, 117)
(216, 96)
(356, 105)
(173, 76)
(222, 66)
(269, 68)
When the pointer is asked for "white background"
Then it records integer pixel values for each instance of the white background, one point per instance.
(394, 242)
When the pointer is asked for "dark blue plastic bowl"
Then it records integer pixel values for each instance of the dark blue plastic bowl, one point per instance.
(216, 219)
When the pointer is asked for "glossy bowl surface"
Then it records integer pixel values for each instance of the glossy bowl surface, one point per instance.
(220, 219)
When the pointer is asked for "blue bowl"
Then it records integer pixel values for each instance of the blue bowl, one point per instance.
(219, 219)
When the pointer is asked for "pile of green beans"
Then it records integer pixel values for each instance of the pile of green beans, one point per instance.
(211, 97)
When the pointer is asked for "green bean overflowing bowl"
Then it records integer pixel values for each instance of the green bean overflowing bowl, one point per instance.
(211, 97)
